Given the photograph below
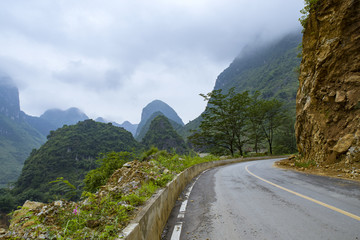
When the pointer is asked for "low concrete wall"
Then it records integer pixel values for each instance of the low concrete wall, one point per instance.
(151, 220)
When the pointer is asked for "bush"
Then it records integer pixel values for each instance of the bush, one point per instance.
(108, 164)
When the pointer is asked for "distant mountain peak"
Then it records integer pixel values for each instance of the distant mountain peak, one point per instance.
(157, 106)
(9, 98)
(59, 117)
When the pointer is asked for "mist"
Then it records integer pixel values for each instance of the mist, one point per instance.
(110, 59)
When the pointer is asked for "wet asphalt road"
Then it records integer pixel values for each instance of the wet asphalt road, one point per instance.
(231, 202)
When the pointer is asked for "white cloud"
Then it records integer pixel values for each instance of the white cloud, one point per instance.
(111, 58)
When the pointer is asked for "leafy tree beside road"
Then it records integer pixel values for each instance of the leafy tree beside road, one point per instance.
(233, 121)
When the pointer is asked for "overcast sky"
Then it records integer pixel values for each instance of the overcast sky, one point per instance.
(110, 58)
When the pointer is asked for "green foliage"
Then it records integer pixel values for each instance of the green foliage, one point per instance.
(274, 117)
(151, 111)
(107, 165)
(104, 215)
(17, 140)
(176, 163)
(70, 152)
(309, 6)
(69, 191)
(146, 126)
(285, 140)
(307, 164)
(234, 120)
(85, 220)
(267, 69)
(7, 201)
(162, 135)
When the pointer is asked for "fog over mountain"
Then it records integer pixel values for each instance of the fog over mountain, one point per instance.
(111, 58)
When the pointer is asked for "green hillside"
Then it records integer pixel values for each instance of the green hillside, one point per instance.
(70, 152)
(145, 127)
(17, 139)
(270, 69)
(150, 109)
(163, 136)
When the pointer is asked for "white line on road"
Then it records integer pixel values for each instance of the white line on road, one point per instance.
(177, 231)
(306, 197)
(178, 226)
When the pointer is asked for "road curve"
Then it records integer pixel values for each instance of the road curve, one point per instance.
(255, 200)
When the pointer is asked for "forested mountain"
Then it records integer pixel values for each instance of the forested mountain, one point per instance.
(177, 127)
(70, 152)
(270, 69)
(127, 125)
(162, 135)
(153, 107)
(17, 137)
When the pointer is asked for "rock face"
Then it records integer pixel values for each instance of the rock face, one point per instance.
(328, 98)
(9, 98)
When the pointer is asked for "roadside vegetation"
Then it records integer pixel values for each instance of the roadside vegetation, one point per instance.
(237, 123)
(104, 209)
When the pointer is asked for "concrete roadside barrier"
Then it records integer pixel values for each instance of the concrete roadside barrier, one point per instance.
(150, 221)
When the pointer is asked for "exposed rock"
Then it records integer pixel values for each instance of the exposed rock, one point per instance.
(344, 143)
(328, 98)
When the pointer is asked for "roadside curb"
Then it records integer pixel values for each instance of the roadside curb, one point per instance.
(150, 221)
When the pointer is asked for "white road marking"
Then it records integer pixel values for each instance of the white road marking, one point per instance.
(177, 231)
(178, 226)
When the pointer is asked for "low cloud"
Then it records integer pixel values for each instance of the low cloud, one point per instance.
(124, 54)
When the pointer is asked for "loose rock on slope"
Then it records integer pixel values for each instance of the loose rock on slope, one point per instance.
(328, 99)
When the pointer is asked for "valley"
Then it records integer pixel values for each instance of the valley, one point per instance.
(296, 95)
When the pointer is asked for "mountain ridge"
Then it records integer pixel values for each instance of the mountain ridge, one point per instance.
(157, 106)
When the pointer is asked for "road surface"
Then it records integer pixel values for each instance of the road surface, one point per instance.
(255, 200)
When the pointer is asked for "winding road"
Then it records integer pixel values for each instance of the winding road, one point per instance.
(255, 200)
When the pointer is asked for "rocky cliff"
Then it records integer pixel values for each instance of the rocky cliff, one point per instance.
(9, 98)
(328, 98)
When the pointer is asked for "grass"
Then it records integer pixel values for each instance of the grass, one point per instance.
(306, 164)
(103, 215)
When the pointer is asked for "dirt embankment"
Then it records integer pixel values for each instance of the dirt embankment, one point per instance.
(338, 170)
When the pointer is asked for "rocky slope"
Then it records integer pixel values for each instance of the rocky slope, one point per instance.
(328, 98)
(98, 216)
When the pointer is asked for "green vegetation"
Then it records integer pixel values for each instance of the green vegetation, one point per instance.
(145, 127)
(107, 165)
(70, 152)
(304, 164)
(148, 113)
(309, 6)
(268, 70)
(7, 201)
(233, 121)
(17, 139)
(104, 214)
(162, 135)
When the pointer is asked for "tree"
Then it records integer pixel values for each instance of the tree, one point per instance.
(255, 115)
(273, 117)
(224, 121)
